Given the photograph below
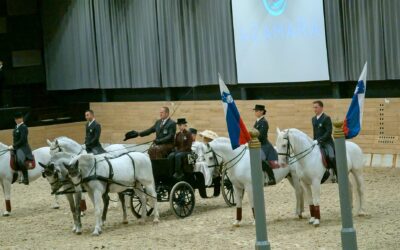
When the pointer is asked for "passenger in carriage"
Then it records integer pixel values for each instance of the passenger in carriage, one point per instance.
(182, 147)
(207, 136)
(165, 129)
(271, 156)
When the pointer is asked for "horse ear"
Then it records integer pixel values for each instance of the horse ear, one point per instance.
(278, 130)
(48, 142)
(66, 165)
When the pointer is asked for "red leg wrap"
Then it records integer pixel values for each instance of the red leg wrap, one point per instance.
(83, 205)
(316, 212)
(8, 205)
(312, 210)
(239, 213)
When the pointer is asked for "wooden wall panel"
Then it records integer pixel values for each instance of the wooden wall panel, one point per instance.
(119, 117)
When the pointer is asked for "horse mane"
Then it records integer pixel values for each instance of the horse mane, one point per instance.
(3, 146)
(64, 141)
(302, 135)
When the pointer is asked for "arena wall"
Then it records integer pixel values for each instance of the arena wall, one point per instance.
(379, 138)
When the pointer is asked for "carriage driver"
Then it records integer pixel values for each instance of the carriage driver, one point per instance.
(93, 132)
(271, 156)
(322, 131)
(21, 147)
(165, 129)
(183, 147)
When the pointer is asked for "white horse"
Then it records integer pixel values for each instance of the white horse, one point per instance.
(6, 173)
(57, 175)
(99, 176)
(237, 164)
(293, 142)
(65, 144)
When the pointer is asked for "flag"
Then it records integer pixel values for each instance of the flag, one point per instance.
(237, 130)
(353, 120)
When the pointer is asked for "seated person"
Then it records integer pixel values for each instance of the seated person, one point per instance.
(211, 175)
(165, 129)
(183, 144)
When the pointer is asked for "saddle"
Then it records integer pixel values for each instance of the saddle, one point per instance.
(29, 164)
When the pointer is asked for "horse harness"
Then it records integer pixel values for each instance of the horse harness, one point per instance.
(292, 159)
(223, 165)
(108, 180)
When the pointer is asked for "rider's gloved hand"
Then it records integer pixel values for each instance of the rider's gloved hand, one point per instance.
(156, 141)
(315, 142)
(11, 147)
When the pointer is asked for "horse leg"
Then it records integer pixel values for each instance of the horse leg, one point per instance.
(82, 204)
(294, 181)
(71, 202)
(238, 193)
(315, 192)
(77, 202)
(249, 190)
(55, 205)
(154, 203)
(307, 193)
(97, 198)
(6, 185)
(106, 202)
(359, 179)
(123, 205)
(143, 200)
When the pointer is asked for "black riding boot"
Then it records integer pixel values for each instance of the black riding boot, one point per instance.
(271, 177)
(25, 176)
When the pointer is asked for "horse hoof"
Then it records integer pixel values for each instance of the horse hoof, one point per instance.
(300, 216)
(236, 223)
(82, 214)
(125, 222)
(156, 221)
(95, 234)
(141, 222)
(311, 221)
(6, 214)
(316, 223)
(362, 214)
(55, 206)
(78, 233)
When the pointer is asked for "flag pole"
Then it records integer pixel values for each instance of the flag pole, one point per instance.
(258, 192)
(348, 233)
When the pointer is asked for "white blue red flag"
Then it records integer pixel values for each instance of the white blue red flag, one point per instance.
(353, 121)
(237, 130)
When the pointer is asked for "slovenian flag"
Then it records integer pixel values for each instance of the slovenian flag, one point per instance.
(236, 128)
(353, 121)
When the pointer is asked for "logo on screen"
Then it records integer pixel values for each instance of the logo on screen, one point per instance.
(275, 7)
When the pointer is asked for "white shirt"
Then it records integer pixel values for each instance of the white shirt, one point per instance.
(164, 121)
(199, 149)
(19, 124)
(318, 116)
(90, 123)
(259, 118)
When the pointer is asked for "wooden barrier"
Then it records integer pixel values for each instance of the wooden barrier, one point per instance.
(380, 131)
(38, 135)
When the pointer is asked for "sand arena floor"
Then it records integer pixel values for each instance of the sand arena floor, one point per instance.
(35, 225)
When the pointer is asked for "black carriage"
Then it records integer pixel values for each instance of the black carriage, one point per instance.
(181, 194)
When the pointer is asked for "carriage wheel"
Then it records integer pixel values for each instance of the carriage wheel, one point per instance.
(137, 206)
(182, 199)
(227, 190)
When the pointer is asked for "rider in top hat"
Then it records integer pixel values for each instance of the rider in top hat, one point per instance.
(165, 129)
(21, 147)
(93, 132)
(183, 146)
(270, 153)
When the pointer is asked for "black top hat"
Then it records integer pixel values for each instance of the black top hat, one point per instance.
(18, 115)
(193, 131)
(181, 121)
(259, 107)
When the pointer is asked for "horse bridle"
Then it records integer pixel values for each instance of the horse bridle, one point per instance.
(292, 159)
(58, 147)
(224, 164)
